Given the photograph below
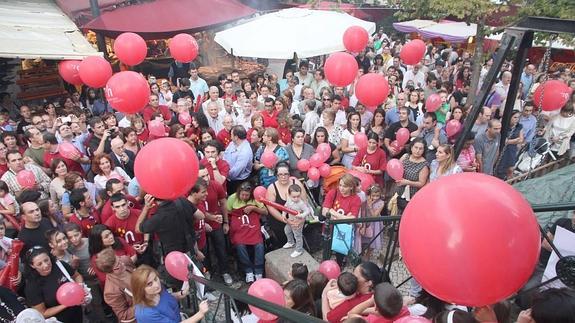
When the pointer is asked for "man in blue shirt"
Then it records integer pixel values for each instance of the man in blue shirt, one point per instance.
(239, 156)
(527, 79)
(529, 122)
(392, 115)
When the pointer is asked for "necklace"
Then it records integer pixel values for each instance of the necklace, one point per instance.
(9, 311)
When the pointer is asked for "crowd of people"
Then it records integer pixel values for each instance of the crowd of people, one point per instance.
(86, 219)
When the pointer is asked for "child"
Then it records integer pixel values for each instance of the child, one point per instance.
(346, 289)
(294, 226)
(386, 305)
(5, 244)
(298, 271)
(372, 207)
(58, 243)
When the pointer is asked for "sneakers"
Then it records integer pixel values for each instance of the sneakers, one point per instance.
(227, 279)
(296, 254)
(249, 278)
(259, 276)
(288, 245)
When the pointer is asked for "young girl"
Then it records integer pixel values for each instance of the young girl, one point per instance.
(58, 243)
(371, 208)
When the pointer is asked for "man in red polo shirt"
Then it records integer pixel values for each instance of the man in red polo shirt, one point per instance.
(197, 196)
(270, 114)
(217, 218)
(85, 216)
(153, 107)
(114, 186)
(216, 167)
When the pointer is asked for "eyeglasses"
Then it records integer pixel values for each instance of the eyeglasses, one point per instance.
(283, 174)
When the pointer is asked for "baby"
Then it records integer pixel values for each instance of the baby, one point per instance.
(346, 289)
(294, 226)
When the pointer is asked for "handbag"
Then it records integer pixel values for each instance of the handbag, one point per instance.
(342, 239)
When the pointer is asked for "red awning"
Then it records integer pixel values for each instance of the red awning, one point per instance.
(165, 18)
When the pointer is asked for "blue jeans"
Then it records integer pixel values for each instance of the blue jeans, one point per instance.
(257, 265)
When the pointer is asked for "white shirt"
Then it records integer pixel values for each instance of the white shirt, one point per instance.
(305, 80)
(418, 79)
(219, 102)
(199, 87)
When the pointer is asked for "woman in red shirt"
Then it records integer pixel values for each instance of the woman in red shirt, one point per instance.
(371, 160)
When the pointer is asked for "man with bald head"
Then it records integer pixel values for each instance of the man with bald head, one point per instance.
(213, 97)
(32, 232)
(215, 118)
(225, 135)
(122, 158)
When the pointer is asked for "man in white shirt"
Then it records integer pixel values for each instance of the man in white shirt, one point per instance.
(502, 87)
(311, 118)
(198, 85)
(214, 95)
(415, 75)
(245, 116)
(303, 76)
(214, 117)
(265, 93)
(318, 83)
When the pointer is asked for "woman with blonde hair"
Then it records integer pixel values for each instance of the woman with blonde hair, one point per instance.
(154, 304)
(444, 164)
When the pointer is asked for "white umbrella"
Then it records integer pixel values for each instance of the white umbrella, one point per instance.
(281, 34)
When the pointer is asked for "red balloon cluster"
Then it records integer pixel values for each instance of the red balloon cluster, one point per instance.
(340, 69)
(412, 52)
(167, 168)
(402, 136)
(177, 265)
(555, 95)
(493, 233)
(70, 294)
(268, 290)
(372, 89)
(70, 71)
(130, 48)
(316, 166)
(433, 102)
(183, 48)
(355, 39)
(95, 71)
(128, 92)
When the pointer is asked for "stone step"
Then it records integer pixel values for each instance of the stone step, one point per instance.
(279, 262)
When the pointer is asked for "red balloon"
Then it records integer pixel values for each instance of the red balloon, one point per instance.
(303, 165)
(128, 92)
(68, 150)
(395, 145)
(555, 95)
(156, 128)
(372, 89)
(324, 149)
(26, 178)
(394, 169)
(493, 233)
(70, 294)
(167, 168)
(70, 71)
(402, 136)
(95, 71)
(184, 48)
(412, 52)
(355, 39)
(269, 159)
(330, 269)
(177, 265)
(433, 102)
(452, 127)
(412, 319)
(268, 290)
(316, 160)
(360, 140)
(340, 69)
(324, 170)
(185, 118)
(366, 180)
(260, 192)
(130, 48)
(313, 173)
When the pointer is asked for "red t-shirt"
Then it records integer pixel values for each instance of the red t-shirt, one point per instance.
(245, 228)
(285, 135)
(200, 227)
(374, 318)
(107, 211)
(149, 111)
(224, 137)
(143, 136)
(86, 223)
(336, 314)
(270, 120)
(222, 166)
(215, 194)
(72, 164)
(3, 169)
(375, 161)
(348, 204)
(126, 228)
(249, 135)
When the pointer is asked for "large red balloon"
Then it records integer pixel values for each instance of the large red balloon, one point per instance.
(268, 290)
(484, 246)
(128, 92)
(360, 140)
(177, 265)
(70, 71)
(26, 178)
(355, 39)
(555, 95)
(167, 168)
(402, 136)
(70, 294)
(330, 269)
(412, 52)
(340, 69)
(269, 159)
(95, 71)
(372, 89)
(183, 48)
(130, 48)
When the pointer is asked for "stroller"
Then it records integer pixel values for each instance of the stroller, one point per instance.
(533, 155)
